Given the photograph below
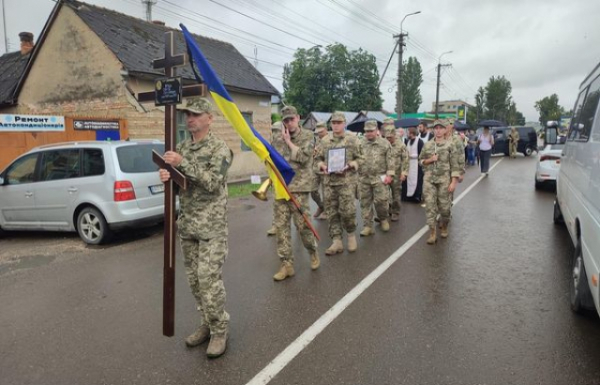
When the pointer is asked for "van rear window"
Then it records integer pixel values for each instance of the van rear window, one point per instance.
(138, 158)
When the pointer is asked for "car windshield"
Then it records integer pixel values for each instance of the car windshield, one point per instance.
(557, 146)
(138, 158)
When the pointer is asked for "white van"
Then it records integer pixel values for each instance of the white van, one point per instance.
(577, 203)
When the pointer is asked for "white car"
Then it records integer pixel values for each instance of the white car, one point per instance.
(548, 165)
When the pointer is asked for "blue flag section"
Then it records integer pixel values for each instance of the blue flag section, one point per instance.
(280, 172)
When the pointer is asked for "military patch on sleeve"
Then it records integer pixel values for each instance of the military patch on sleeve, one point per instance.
(224, 166)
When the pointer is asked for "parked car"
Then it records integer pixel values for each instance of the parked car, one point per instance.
(548, 164)
(94, 188)
(577, 203)
(527, 140)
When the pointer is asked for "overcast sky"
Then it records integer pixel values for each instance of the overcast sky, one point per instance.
(541, 46)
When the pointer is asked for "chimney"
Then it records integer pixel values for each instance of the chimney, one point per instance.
(26, 42)
(158, 22)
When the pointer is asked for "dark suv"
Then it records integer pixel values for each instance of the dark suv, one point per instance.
(527, 140)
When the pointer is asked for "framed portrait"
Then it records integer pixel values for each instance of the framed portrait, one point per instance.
(336, 160)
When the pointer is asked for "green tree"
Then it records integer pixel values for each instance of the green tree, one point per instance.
(412, 78)
(549, 109)
(336, 79)
(498, 99)
(480, 103)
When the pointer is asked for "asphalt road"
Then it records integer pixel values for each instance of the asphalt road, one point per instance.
(489, 305)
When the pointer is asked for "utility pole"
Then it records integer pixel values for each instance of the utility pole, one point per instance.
(149, 4)
(4, 24)
(401, 46)
(437, 89)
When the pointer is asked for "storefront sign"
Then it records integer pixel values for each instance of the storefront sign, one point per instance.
(20, 123)
(96, 125)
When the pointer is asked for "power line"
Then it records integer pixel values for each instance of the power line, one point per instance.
(262, 22)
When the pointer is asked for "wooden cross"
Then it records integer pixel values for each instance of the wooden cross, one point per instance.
(168, 63)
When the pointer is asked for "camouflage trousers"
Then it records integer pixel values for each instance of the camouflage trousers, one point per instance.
(377, 194)
(284, 212)
(340, 207)
(316, 193)
(395, 201)
(203, 261)
(438, 200)
(512, 150)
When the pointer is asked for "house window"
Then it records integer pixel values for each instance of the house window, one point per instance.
(248, 117)
(182, 131)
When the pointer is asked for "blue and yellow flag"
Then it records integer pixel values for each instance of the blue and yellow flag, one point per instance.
(279, 169)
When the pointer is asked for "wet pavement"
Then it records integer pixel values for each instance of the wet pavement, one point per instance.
(488, 305)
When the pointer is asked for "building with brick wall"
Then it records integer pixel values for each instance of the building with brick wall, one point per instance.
(90, 63)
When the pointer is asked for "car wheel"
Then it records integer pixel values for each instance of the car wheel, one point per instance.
(538, 185)
(581, 297)
(528, 151)
(557, 216)
(92, 226)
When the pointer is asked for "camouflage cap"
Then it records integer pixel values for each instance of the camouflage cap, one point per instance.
(387, 121)
(370, 125)
(197, 105)
(389, 132)
(276, 126)
(338, 117)
(438, 122)
(288, 112)
(321, 126)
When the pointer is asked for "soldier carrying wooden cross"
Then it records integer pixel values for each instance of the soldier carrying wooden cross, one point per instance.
(199, 166)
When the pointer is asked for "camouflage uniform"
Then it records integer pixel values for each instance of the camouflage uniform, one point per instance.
(400, 155)
(514, 142)
(202, 225)
(318, 177)
(340, 189)
(438, 177)
(377, 161)
(301, 186)
(275, 133)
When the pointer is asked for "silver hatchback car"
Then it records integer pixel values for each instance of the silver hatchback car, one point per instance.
(94, 188)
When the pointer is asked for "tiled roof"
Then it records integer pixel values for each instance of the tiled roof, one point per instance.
(12, 66)
(136, 43)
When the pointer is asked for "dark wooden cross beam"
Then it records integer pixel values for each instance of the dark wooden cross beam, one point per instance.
(168, 63)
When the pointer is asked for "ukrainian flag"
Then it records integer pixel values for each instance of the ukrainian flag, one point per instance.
(280, 172)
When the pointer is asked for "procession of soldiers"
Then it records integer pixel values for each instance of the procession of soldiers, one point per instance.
(379, 169)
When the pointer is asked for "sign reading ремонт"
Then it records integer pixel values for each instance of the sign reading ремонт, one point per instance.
(45, 123)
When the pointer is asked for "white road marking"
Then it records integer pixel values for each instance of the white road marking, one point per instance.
(286, 356)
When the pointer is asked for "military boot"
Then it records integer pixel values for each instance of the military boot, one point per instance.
(395, 217)
(315, 262)
(352, 246)
(286, 270)
(272, 231)
(217, 345)
(444, 231)
(335, 248)
(367, 231)
(385, 225)
(198, 337)
(432, 235)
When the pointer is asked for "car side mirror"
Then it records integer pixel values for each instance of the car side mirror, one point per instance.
(551, 133)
